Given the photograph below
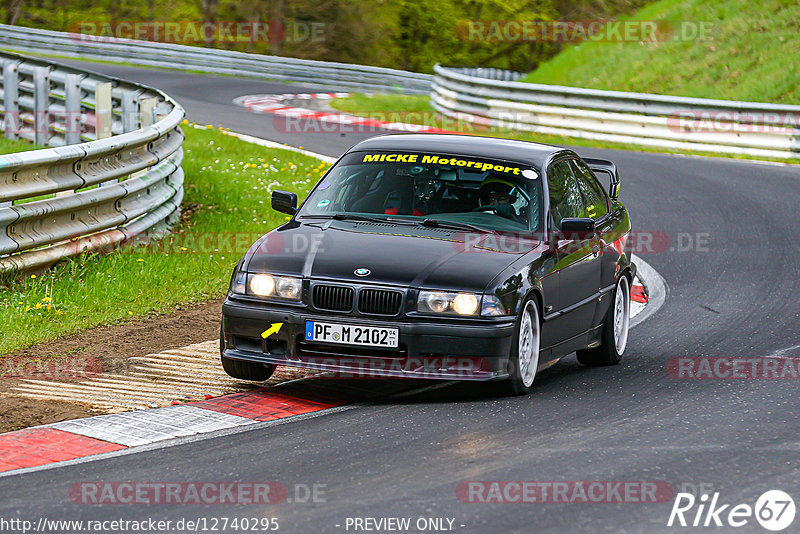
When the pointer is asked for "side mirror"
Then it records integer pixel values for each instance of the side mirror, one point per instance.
(577, 228)
(601, 166)
(284, 202)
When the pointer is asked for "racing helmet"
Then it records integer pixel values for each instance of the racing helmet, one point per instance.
(499, 191)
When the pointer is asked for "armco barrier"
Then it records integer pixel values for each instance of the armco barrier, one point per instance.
(174, 56)
(493, 98)
(113, 172)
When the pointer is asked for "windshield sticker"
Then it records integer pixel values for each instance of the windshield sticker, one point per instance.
(323, 203)
(324, 185)
(480, 166)
(530, 174)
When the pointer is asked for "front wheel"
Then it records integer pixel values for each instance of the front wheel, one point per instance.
(614, 336)
(524, 360)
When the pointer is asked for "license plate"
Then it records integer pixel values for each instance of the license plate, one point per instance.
(372, 336)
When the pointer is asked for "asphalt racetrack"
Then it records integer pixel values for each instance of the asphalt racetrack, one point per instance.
(735, 295)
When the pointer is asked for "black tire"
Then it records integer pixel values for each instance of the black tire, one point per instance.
(516, 384)
(242, 370)
(611, 347)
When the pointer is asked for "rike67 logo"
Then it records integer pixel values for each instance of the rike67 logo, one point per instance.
(774, 510)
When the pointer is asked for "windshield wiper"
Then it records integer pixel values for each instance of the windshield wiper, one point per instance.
(353, 217)
(438, 223)
(430, 223)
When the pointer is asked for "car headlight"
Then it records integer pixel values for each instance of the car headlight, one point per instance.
(267, 285)
(288, 288)
(262, 285)
(446, 302)
(239, 282)
(492, 306)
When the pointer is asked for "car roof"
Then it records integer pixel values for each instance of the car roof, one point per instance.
(534, 154)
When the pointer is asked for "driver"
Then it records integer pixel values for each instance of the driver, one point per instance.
(500, 197)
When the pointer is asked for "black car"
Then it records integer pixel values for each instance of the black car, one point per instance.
(437, 256)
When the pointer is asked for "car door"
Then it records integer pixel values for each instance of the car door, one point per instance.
(578, 259)
(597, 208)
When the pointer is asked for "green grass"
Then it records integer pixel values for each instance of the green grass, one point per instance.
(226, 207)
(358, 103)
(9, 146)
(417, 110)
(751, 54)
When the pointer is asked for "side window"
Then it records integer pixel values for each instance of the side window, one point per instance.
(565, 197)
(596, 200)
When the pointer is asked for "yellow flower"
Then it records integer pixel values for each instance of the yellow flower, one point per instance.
(130, 313)
(140, 260)
(46, 299)
(28, 308)
(59, 312)
(33, 276)
(183, 248)
(38, 306)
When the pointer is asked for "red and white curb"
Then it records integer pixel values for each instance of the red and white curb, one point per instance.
(278, 105)
(648, 291)
(70, 440)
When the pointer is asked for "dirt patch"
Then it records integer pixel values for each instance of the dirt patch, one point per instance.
(106, 348)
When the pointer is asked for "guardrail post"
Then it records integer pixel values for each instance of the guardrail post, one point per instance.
(41, 105)
(11, 100)
(103, 116)
(72, 104)
(162, 109)
(147, 108)
(130, 111)
(102, 110)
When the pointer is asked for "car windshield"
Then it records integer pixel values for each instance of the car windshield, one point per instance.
(434, 188)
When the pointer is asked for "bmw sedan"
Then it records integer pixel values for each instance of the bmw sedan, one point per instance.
(438, 256)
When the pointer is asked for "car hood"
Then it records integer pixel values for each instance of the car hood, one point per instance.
(395, 255)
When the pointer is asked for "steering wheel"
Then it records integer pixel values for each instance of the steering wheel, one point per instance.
(490, 209)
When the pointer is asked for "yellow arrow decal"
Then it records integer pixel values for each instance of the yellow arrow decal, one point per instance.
(271, 330)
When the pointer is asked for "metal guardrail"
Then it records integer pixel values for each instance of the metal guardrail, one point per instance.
(311, 73)
(494, 99)
(113, 175)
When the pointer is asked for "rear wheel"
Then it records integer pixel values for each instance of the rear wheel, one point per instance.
(524, 358)
(614, 336)
(256, 372)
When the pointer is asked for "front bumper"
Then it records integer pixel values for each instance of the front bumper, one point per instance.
(431, 348)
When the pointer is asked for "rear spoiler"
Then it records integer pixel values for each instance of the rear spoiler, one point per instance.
(606, 167)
